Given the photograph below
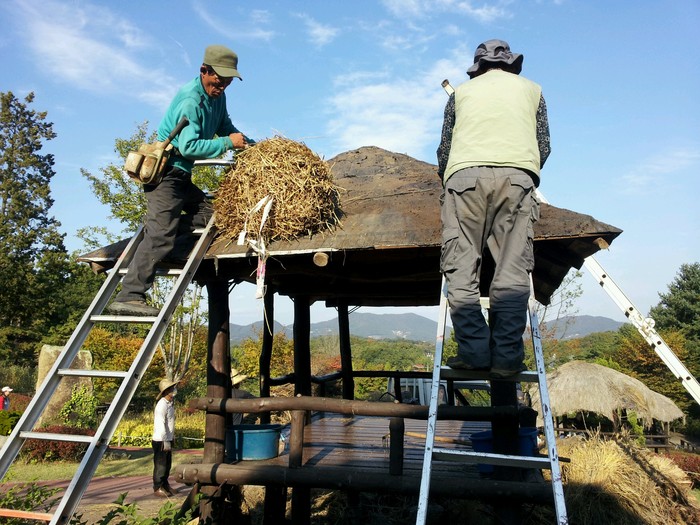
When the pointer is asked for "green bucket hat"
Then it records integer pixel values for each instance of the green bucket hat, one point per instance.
(222, 60)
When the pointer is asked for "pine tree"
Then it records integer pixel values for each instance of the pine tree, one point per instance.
(41, 287)
(29, 236)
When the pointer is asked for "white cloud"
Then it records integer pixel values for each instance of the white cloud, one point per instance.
(652, 172)
(228, 29)
(78, 44)
(319, 34)
(414, 9)
(397, 113)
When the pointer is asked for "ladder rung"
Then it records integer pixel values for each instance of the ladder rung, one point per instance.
(528, 376)
(92, 373)
(162, 271)
(488, 458)
(49, 436)
(26, 514)
(122, 319)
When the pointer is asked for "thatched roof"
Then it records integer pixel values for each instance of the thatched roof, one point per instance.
(386, 251)
(578, 386)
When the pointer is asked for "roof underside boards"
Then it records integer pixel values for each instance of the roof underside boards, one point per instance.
(386, 250)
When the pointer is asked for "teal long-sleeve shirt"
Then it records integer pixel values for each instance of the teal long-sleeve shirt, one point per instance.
(206, 136)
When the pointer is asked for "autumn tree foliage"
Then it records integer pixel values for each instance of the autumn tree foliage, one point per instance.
(638, 359)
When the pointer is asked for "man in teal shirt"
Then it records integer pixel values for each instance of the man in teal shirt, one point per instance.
(176, 206)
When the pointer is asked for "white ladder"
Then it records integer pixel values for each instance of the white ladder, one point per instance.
(470, 456)
(97, 444)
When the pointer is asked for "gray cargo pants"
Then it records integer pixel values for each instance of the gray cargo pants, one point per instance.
(492, 207)
(175, 208)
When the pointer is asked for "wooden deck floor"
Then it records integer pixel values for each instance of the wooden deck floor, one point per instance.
(353, 453)
(363, 442)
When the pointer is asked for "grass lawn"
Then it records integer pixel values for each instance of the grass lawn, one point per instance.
(137, 462)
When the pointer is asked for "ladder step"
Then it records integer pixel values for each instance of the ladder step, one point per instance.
(488, 458)
(26, 514)
(92, 373)
(48, 436)
(528, 376)
(122, 319)
(160, 270)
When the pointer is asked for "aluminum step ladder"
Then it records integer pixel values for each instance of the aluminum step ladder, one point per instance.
(97, 444)
(469, 456)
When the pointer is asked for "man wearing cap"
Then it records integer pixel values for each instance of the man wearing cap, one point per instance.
(495, 140)
(163, 437)
(176, 206)
(5, 398)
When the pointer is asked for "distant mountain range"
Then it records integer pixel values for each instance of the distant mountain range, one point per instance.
(414, 327)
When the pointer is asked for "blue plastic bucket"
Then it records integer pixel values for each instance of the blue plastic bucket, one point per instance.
(483, 442)
(245, 442)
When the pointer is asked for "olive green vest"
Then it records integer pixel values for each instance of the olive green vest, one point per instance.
(495, 123)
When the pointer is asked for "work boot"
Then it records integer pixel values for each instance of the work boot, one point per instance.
(136, 307)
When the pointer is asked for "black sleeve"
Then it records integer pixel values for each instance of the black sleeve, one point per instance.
(448, 124)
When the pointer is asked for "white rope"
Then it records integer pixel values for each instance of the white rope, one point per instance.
(258, 245)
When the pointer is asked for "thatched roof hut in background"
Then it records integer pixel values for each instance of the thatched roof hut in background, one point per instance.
(578, 386)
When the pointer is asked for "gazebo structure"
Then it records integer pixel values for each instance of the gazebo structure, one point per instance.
(385, 252)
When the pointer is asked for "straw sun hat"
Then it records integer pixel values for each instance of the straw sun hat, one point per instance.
(237, 377)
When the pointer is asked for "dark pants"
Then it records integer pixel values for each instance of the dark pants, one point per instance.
(495, 209)
(162, 461)
(175, 208)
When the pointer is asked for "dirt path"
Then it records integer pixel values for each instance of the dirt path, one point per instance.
(102, 492)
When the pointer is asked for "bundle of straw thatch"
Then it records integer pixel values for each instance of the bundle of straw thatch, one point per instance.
(622, 483)
(305, 200)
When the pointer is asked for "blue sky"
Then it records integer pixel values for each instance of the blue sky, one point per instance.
(621, 81)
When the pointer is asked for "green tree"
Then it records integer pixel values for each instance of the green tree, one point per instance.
(679, 309)
(43, 288)
(31, 248)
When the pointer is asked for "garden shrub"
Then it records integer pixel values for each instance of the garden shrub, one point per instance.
(8, 420)
(81, 409)
(49, 450)
(137, 430)
(689, 463)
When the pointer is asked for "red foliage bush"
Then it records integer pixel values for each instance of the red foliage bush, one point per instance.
(19, 402)
(689, 463)
(49, 450)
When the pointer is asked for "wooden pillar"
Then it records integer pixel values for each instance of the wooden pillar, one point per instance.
(396, 438)
(345, 351)
(266, 352)
(505, 434)
(301, 496)
(302, 345)
(218, 386)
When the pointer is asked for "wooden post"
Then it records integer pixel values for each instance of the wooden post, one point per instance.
(302, 345)
(396, 431)
(218, 386)
(345, 350)
(296, 439)
(505, 441)
(275, 505)
(266, 352)
(301, 496)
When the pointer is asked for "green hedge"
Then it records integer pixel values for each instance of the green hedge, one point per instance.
(8, 420)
